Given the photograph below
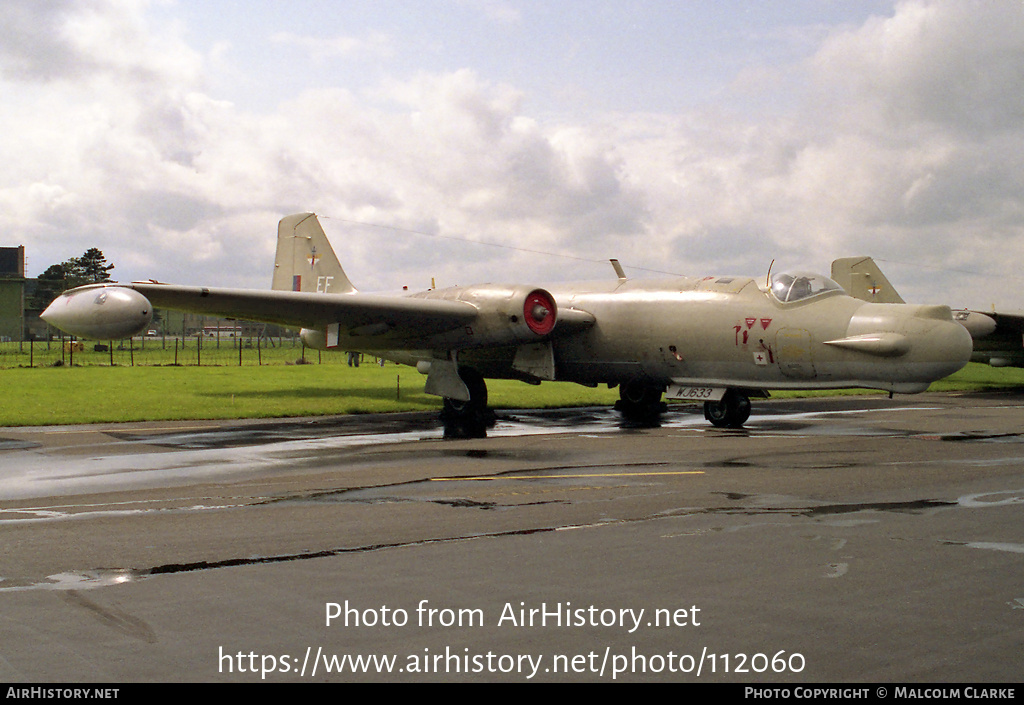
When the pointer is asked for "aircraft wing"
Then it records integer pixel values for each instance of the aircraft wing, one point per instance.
(114, 311)
(311, 291)
(399, 316)
(496, 315)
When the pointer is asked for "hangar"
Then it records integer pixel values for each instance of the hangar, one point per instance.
(12, 293)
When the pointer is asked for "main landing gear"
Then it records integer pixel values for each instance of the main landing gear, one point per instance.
(468, 419)
(640, 403)
(731, 412)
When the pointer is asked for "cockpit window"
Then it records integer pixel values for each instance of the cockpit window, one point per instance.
(797, 286)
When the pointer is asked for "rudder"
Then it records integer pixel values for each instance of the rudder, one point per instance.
(305, 260)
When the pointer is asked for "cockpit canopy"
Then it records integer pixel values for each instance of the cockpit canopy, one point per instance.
(788, 287)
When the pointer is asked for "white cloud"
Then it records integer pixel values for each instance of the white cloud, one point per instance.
(901, 143)
(76, 41)
(376, 45)
(954, 64)
(496, 10)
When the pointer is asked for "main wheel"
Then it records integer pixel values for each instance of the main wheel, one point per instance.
(732, 411)
(468, 419)
(640, 402)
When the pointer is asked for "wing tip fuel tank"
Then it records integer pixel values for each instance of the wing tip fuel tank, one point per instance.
(100, 312)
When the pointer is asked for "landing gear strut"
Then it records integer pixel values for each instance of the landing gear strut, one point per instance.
(640, 403)
(731, 412)
(468, 419)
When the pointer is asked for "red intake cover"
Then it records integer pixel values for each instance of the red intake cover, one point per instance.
(539, 311)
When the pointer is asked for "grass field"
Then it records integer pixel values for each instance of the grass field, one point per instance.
(66, 395)
(97, 393)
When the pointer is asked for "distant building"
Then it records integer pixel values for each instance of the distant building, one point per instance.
(12, 293)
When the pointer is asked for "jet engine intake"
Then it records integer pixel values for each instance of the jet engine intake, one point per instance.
(506, 315)
(540, 312)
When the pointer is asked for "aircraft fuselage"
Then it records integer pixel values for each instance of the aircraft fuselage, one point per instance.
(722, 331)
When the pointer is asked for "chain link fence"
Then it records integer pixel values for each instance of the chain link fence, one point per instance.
(195, 350)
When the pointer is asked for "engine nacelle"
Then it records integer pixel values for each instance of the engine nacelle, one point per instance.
(508, 314)
(100, 312)
(313, 339)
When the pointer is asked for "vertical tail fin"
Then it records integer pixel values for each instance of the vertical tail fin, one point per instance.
(863, 280)
(305, 259)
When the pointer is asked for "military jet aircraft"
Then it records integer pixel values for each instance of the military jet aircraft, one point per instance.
(716, 340)
(998, 335)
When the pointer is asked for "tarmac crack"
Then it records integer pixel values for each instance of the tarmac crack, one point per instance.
(171, 568)
(107, 577)
(810, 512)
(911, 507)
(350, 494)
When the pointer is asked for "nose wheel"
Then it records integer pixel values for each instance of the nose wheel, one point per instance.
(732, 411)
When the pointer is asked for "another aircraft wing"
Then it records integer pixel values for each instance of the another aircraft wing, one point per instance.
(998, 336)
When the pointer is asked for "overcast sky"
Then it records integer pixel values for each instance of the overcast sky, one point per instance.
(520, 140)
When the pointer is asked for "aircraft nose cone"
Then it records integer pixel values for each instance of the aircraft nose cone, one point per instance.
(911, 346)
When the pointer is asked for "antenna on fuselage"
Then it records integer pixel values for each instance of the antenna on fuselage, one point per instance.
(618, 269)
(768, 280)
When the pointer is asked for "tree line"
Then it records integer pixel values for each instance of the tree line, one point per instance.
(91, 268)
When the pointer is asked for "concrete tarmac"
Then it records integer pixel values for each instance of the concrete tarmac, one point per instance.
(847, 539)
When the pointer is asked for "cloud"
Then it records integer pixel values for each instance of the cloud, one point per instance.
(953, 65)
(906, 145)
(900, 143)
(496, 10)
(51, 41)
(376, 45)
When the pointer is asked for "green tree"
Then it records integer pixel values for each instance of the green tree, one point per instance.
(90, 268)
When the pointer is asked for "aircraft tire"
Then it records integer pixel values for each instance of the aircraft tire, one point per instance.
(468, 419)
(731, 412)
(640, 402)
